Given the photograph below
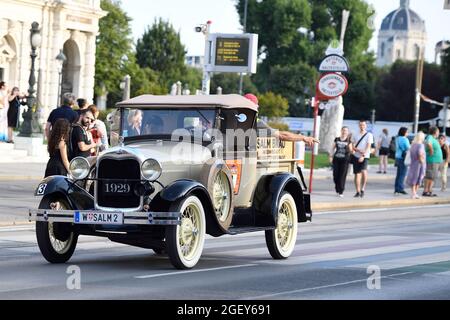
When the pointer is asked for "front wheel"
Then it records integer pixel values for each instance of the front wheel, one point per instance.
(281, 241)
(56, 241)
(185, 242)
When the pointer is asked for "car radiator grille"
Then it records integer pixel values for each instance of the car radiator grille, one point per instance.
(120, 171)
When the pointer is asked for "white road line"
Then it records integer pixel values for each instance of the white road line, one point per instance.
(192, 271)
(381, 209)
(321, 287)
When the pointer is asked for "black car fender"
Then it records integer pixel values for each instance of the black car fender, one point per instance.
(61, 186)
(267, 195)
(182, 188)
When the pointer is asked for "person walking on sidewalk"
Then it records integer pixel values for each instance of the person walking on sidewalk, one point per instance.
(434, 160)
(418, 164)
(360, 159)
(340, 157)
(402, 147)
(383, 147)
(58, 165)
(15, 101)
(444, 165)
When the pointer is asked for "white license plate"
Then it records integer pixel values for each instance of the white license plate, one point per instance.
(109, 218)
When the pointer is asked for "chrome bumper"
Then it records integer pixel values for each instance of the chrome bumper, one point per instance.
(129, 218)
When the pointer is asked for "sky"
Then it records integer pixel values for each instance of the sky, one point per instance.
(186, 14)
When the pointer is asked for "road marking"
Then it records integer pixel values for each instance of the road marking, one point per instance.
(192, 271)
(321, 287)
(14, 229)
(381, 209)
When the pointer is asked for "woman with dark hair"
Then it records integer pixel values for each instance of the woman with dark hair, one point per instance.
(15, 101)
(58, 165)
(402, 148)
(340, 158)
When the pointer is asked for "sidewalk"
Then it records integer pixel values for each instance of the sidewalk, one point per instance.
(379, 193)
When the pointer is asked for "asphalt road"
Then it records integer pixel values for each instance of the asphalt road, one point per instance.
(410, 247)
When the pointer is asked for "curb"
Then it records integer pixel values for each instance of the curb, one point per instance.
(375, 204)
(18, 223)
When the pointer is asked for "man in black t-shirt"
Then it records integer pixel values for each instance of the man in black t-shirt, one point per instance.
(63, 112)
(80, 139)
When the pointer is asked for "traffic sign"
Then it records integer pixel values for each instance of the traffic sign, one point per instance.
(332, 85)
(334, 63)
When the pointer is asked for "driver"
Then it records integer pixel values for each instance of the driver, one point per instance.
(153, 125)
(261, 126)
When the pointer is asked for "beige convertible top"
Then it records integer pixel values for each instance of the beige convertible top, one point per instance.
(225, 101)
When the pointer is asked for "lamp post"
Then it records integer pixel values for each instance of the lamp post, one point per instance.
(30, 125)
(60, 58)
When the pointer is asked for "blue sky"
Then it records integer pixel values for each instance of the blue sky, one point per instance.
(186, 14)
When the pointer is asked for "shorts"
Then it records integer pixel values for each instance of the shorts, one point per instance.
(384, 151)
(359, 167)
(432, 171)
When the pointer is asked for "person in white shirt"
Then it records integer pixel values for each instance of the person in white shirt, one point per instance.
(360, 159)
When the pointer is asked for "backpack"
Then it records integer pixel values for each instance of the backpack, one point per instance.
(392, 148)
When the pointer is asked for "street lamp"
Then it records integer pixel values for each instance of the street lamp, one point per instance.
(60, 58)
(30, 125)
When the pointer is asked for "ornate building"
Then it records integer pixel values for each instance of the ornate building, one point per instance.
(402, 36)
(68, 25)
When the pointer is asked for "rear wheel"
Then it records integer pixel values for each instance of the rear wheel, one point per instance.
(56, 241)
(281, 241)
(185, 242)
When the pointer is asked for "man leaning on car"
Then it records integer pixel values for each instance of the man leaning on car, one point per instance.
(262, 126)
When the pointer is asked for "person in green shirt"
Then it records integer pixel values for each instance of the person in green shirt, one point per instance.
(434, 160)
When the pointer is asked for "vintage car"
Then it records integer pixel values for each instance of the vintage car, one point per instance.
(180, 167)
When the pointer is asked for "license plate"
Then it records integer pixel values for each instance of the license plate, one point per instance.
(116, 188)
(109, 218)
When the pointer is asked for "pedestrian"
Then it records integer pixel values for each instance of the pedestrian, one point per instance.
(444, 165)
(4, 105)
(418, 165)
(98, 130)
(82, 105)
(63, 112)
(58, 165)
(383, 147)
(402, 147)
(340, 157)
(80, 139)
(434, 160)
(15, 100)
(362, 143)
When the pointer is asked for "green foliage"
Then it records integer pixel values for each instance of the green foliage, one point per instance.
(272, 105)
(114, 47)
(191, 78)
(446, 69)
(160, 49)
(290, 57)
(396, 87)
(229, 82)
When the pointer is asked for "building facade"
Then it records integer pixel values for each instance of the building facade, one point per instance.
(68, 25)
(402, 36)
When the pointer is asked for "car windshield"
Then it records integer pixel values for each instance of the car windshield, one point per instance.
(163, 122)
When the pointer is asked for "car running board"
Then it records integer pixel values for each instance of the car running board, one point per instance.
(241, 230)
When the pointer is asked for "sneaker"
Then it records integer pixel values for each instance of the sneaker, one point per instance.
(426, 194)
(362, 194)
(357, 195)
(385, 172)
(403, 192)
(379, 172)
(341, 195)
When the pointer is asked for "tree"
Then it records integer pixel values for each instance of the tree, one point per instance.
(229, 82)
(282, 46)
(160, 49)
(396, 92)
(446, 69)
(113, 48)
(273, 105)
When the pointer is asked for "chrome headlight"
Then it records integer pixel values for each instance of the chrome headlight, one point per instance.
(79, 168)
(151, 170)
